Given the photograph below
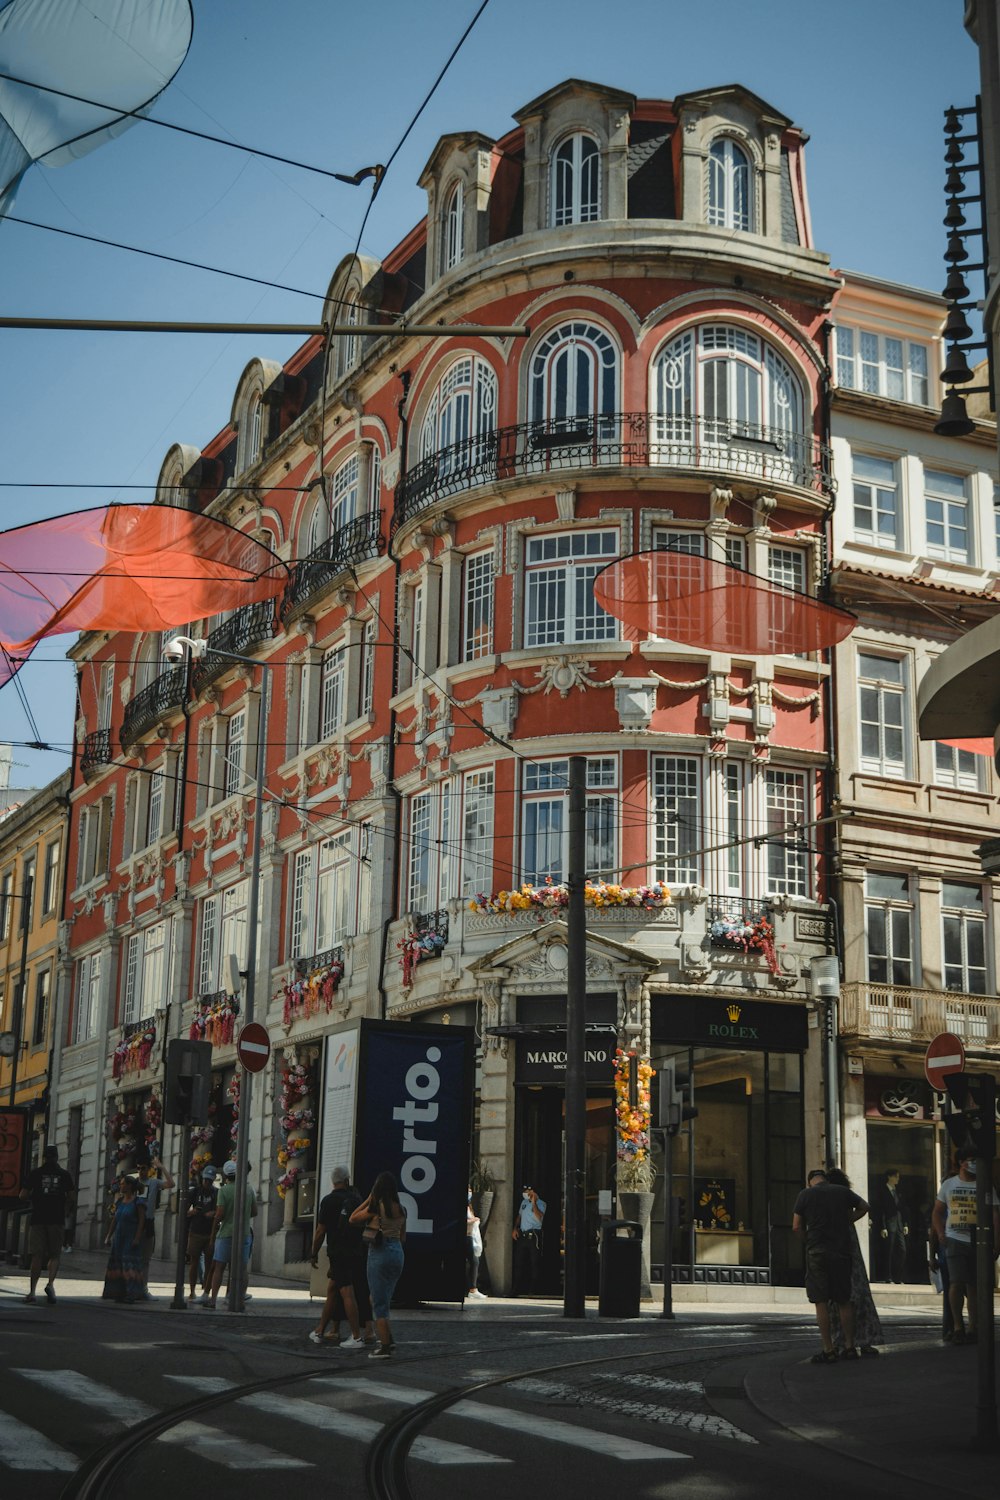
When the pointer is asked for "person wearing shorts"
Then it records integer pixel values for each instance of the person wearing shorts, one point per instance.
(824, 1211)
(224, 1233)
(954, 1219)
(201, 1213)
(342, 1242)
(52, 1192)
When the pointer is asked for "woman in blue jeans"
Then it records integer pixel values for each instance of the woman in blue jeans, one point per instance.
(384, 1217)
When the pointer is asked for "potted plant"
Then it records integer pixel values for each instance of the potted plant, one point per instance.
(483, 1186)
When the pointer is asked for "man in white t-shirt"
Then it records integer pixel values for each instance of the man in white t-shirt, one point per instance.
(954, 1219)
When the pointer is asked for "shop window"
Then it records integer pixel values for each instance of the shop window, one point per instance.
(576, 181)
(730, 186)
(545, 822)
(560, 606)
(889, 929)
(963, 920)
(876, 501)
(883, 705)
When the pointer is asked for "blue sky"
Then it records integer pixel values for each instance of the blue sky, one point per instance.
(335, 84)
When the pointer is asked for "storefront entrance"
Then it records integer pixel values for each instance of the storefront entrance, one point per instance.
(901, 1136)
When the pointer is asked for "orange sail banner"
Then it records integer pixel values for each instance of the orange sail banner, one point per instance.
(125, 567)
(700, 602)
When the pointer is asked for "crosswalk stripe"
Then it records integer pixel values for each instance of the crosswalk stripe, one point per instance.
(343, 1423)
(234, 1453)
(521, 1422)
(21, 1447)
(707, 1423)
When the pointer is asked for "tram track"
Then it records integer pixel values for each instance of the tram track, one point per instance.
(386, 1458)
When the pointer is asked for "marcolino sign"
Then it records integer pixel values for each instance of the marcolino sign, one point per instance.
(542, 1058)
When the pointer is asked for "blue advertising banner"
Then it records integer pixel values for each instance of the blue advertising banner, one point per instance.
(415, 1120)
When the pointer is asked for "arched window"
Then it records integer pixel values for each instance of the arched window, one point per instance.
(255, 431)
(574, 377)
(454, 228)
(729, 186)
(348, 344)
(723, 398)
(336, 504)
(576, 181)
(460, 417)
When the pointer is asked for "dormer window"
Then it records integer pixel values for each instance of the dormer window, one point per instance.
(576, 181)
(255, 431)
(729, 186)
(347, 353)
(454, 228)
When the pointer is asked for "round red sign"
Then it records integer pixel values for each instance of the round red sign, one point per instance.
(253, 1047)
(945, 1054)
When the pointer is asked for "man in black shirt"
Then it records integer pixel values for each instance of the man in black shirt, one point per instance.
(341, 1247)
(201, 1213)
(825, 1211)
(52, 1192)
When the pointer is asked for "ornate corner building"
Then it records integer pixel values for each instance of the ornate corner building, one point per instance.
(444, 506)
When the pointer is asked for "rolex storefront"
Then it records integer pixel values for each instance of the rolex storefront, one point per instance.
(740, 1164)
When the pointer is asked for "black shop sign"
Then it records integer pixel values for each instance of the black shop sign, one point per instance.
(542, 1059)
(722, 1021)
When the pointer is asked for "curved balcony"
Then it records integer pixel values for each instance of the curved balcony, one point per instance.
(163, 695)
(248, 627)
(617, 440)
(359, 540)
(96, 752)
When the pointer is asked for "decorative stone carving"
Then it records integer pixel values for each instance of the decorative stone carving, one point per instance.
(499, 710)
(720, 500)
(566, 504)
(562, 674)
(635, 701)
(695, 963)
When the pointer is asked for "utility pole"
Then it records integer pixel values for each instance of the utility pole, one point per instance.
(576, 1024)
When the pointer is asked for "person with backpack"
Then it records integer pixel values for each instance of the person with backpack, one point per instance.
(343, 1245)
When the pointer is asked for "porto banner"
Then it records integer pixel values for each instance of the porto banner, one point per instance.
(414, 1119)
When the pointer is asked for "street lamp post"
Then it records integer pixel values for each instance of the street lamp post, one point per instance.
(824, 972)
(199, 649)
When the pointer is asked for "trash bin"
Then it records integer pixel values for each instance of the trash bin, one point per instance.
(621, 1269)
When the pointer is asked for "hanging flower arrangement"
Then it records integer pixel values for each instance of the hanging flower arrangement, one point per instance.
(754, 935)
(216, 1021)
(133, 1053)
(234, 1095)
(153, 1120)
(552, 897)
(286, 1183)
(634, 1163)
(418, 947)
(310, 993)
(298, 1119)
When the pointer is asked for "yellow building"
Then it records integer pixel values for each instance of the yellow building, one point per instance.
(32, 851)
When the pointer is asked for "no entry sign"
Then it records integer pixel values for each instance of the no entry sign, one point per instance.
(945, 1054)
(253, 1047)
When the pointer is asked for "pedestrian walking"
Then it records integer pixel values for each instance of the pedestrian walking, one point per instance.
(473, 1251)
(333, 1222)
(201, 1214)
(124, 1280)
(891, 1227)
(527, 1237)
(826, 1212)
(867, 1324)
(52, 1193)
(954, 1220)
(153, 1181)
(230, 1245)
(383, 1220)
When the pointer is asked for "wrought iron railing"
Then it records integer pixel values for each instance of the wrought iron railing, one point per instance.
(152, 704)
(311, 577)
(428, 923)
(898, 1011)
(729, 915)
(320, 961)
(249, 626)
(96, 751)
(619, 439)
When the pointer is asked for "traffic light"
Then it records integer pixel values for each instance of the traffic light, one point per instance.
(975, 1127)
(188, 1083)
(676, 1098)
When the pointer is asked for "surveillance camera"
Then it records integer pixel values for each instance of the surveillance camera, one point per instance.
(174, 651)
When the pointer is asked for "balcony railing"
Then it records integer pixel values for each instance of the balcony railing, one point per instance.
(152, 704)
(620, 440)
(360, 539)
(248, 627)
(320, 961)
(897, 1012)
(96, 751)
(428, 923)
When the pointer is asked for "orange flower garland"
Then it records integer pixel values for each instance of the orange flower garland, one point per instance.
(635, 1168)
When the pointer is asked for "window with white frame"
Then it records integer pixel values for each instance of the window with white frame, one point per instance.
(460, 416)
(963, 923)
(730, 186)
(453, 247)
(50, 885)
(574, 378)
(154, 807)
(106, 698)
(545, 819)
(676, 809)
(560, 606)
(367, 684)
(348, 344)
(94, 841)
(235, 753)
(736, 552)
(417, 626)
(787, 566)
(876, 500)
(889, 929)
(787, 851)
(336, 505)
(28, 881)
(422, 844)
(224, 918)
(146, 963)
(670, 539)
(477, 832)
(946, 509)
(883, 714)
(332, 686)
(477, 606)
(6, 904)
(449, 848)
(39, 1025)
(734, 775)
(882, 365)
(956, 768)
(86, 1011)
(255, 431)
(324, 895)
(576, 181)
